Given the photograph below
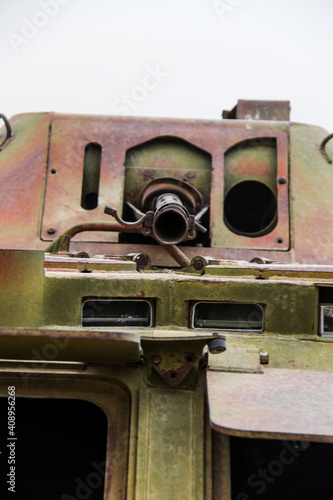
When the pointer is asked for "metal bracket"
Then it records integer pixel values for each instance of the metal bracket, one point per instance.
(172, 367)
(175, 361)
(142, 260)
(243, 359)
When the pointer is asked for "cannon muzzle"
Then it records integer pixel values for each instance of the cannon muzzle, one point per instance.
(171, 222)
(168, 219)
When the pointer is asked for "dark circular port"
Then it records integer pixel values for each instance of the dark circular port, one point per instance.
(170, 227)
(250, 209)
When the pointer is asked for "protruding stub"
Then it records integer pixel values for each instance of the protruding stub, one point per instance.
(172, 222)
(217, 346)
(199, 263)
(261, 260)
(169, 223)
(264, 358)
(142, 261)
(259, 110)
(156, 359)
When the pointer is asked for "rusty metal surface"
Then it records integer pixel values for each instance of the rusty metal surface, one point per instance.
(41, 296)
(244, 359)
(22, 170)
(160, 257)
(22, 173)
(279, 404)
(70, 345)
(311, 178)
(221, 235)
(190, 196)
(174, 360)
(62, 208)
(69, 164)
(81, 263)
(259, 110)
(178, 255)
(62, 243)
(29, 292)
(173, 368)
(170, 460)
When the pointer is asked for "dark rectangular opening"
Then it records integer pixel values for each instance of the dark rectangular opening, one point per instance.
(269, 469)
(91, 176)
(326, 311)
(115, 312)
(326, 295)
(59, 451)
(326, 320)
(228, 316)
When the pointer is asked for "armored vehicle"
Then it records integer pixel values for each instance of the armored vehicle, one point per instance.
(166, 307)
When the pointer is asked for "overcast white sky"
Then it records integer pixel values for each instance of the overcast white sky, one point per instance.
(171, 58)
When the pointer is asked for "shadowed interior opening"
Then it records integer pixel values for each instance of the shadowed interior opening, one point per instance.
(60, 450)
(269, 469)
(91, 175)
(170, 227)
(250, 209)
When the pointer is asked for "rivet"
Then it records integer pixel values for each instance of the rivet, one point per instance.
(156, 359)
(198, 264)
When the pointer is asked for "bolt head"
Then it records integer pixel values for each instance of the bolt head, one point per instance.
(156, 359)
(198, 264)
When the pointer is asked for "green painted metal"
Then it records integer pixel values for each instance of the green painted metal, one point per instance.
(152, 382)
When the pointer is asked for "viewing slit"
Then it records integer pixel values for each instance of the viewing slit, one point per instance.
(91, 175)
(228, 316)
(116, 312)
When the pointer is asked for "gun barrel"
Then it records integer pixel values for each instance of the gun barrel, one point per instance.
(172, 222)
